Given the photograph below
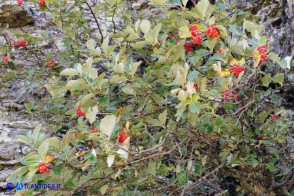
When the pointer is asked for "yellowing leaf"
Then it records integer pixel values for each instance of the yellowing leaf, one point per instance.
(107, 124)
(91, 114)
(217, 68)
(110, 160)
(184, 32)
(257, 58)
(224, 73)
(49, 158)
(234, 61)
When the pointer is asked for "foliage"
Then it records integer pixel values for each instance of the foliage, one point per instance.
(169, 120)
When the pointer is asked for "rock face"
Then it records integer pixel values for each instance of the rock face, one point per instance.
(14, 16)
(277, 16)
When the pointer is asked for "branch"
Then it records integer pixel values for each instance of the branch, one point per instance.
(200, 180)
(99, 28)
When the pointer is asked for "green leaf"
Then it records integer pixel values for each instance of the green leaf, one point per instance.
(286, 62)
(151, 169)
(107, 124)
(119, 68)
(266, 80)
(75, 85)
(162, 117)
(118, 78)
(23, 139)
(91, 44)
(184, 2)
(128, 90)
(202, 7)
(182, 178)
(54, 142)
(279, 78)
(96, 52)
(194, 108)
(134, 67)
(145, 26)
(105, 45)
(274, 57)
(211, 43)
(197, 168)
(19, 172)
(36, 132)
(103, 189)
(158, 2)
(42, 150)
(153, 35)
(69, 72)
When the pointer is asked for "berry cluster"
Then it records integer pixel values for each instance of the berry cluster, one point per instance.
(220, 51)
(197, 39)
(189, 47)
(80, 113)
(95, 130)
(5, 59)
(122, 137)
(236, 69)
(52, 63)
(19, 43)
(262, 51)
(42, 2)
(43, 168)
(227, 93)
(275, 117)
(19, 2)
(212, 31)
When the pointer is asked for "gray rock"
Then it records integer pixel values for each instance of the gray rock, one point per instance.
(14, 16)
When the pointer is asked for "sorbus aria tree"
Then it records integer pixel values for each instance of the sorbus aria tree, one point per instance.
(174, 112)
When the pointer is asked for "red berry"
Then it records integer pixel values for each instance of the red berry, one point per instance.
(95, 130)
(122, 137)
(195, 87)
(19, 2)
(212, 31)
(260, 137)
(220, 50)
(197, 40)
(189, 47)
(235, 96)
(193, 27)
(226, 94)
(42, 2)
(5, 59)
(90, 143)
(275, 117)
(43, 168)
(262, 51)
(236, 69)
(263, 58)
(52, 63)
(21, 43)
(80, 113)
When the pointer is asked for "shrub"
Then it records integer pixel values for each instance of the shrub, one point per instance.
(159, 106)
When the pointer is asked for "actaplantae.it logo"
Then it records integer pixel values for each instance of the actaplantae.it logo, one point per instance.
(19, 186)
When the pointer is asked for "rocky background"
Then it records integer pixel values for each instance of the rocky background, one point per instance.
(276, 15)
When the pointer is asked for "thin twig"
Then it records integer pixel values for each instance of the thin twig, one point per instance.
(99, 28)
(200, 180)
